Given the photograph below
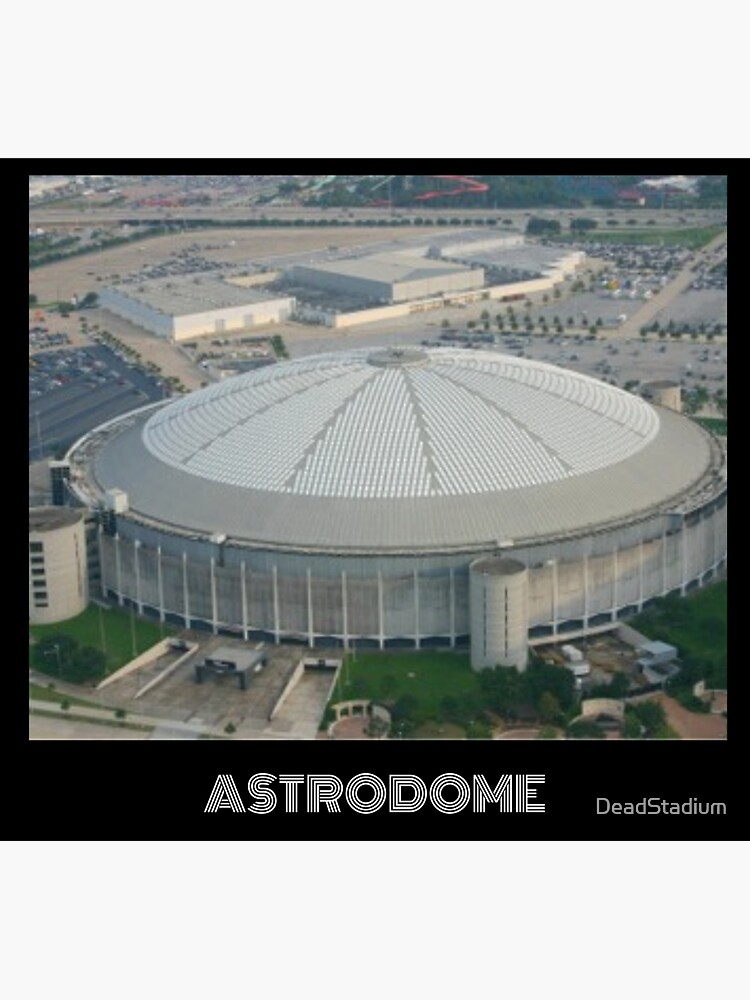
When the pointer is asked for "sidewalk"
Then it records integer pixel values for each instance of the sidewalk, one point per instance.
(108, 715)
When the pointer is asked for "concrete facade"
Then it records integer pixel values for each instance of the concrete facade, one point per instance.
(664, 393)
(167, 317)
(498, 608)
(58, 587)
(389, 278)
(343, 498)
(573, 586)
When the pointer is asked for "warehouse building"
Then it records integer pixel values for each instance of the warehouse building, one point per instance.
(388, 277)
(180, 308)
(405, 497)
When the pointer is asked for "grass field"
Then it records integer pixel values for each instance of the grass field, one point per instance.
(124, 636)
(693, 239)
(714, 424)
(696, 625)
(427, 676)
(39, 692)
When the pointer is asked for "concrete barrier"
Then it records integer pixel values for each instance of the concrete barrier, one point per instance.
(290, 685)
(592, 707)
(170, 669)
(153, 653)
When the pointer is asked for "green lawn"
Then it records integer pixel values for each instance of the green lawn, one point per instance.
(39, 692)
(696, 625)
(714, 424)
(427, 676)
(693, 239)
(119, 629)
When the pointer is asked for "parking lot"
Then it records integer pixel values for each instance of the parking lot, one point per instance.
(72, 391)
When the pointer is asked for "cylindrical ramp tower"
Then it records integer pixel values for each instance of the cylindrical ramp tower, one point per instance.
(667, 394)
(498, 602)
(58, 587)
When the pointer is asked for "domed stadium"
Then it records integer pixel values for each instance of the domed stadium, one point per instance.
(343, 498)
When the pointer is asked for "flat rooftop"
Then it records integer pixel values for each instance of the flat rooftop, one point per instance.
(52, 518)
(183, 296)
(530, 257)
(243, 659)
(390, 267)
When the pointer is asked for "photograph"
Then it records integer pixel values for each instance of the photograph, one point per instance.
(434, 461)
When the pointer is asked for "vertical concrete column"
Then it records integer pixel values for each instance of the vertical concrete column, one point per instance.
(452, 587)
(118, 572)
(684, 547)
(214, 616)
(345, 609)
(640, 575)
(585, 591)
(276, 628)
(615, 571)
(160, 583)
(185, 594)
(552, 564)
(310, 641)
(243, 595)
(100, 541)
(416, 609)
(137, 564)
(381, 623)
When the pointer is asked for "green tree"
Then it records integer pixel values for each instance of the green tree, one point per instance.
(632, 725)
(547, 733)
(541, 677)
(407, 707)
(549, 708)
(32, 299)
(584, 729)
(651, 715)
(583, 224)
(542, 227)
(502, 690)
(54, 654)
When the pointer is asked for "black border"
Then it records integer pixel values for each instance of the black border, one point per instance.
(110, 789)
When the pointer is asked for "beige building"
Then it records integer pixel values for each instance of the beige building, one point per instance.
(180, 307)
(58, 586)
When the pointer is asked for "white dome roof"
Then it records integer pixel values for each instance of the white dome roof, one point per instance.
(367, 451)
(410, 423)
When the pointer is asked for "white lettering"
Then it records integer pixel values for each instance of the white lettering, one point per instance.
(397, 783)
(266, 798)
(325, 788)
